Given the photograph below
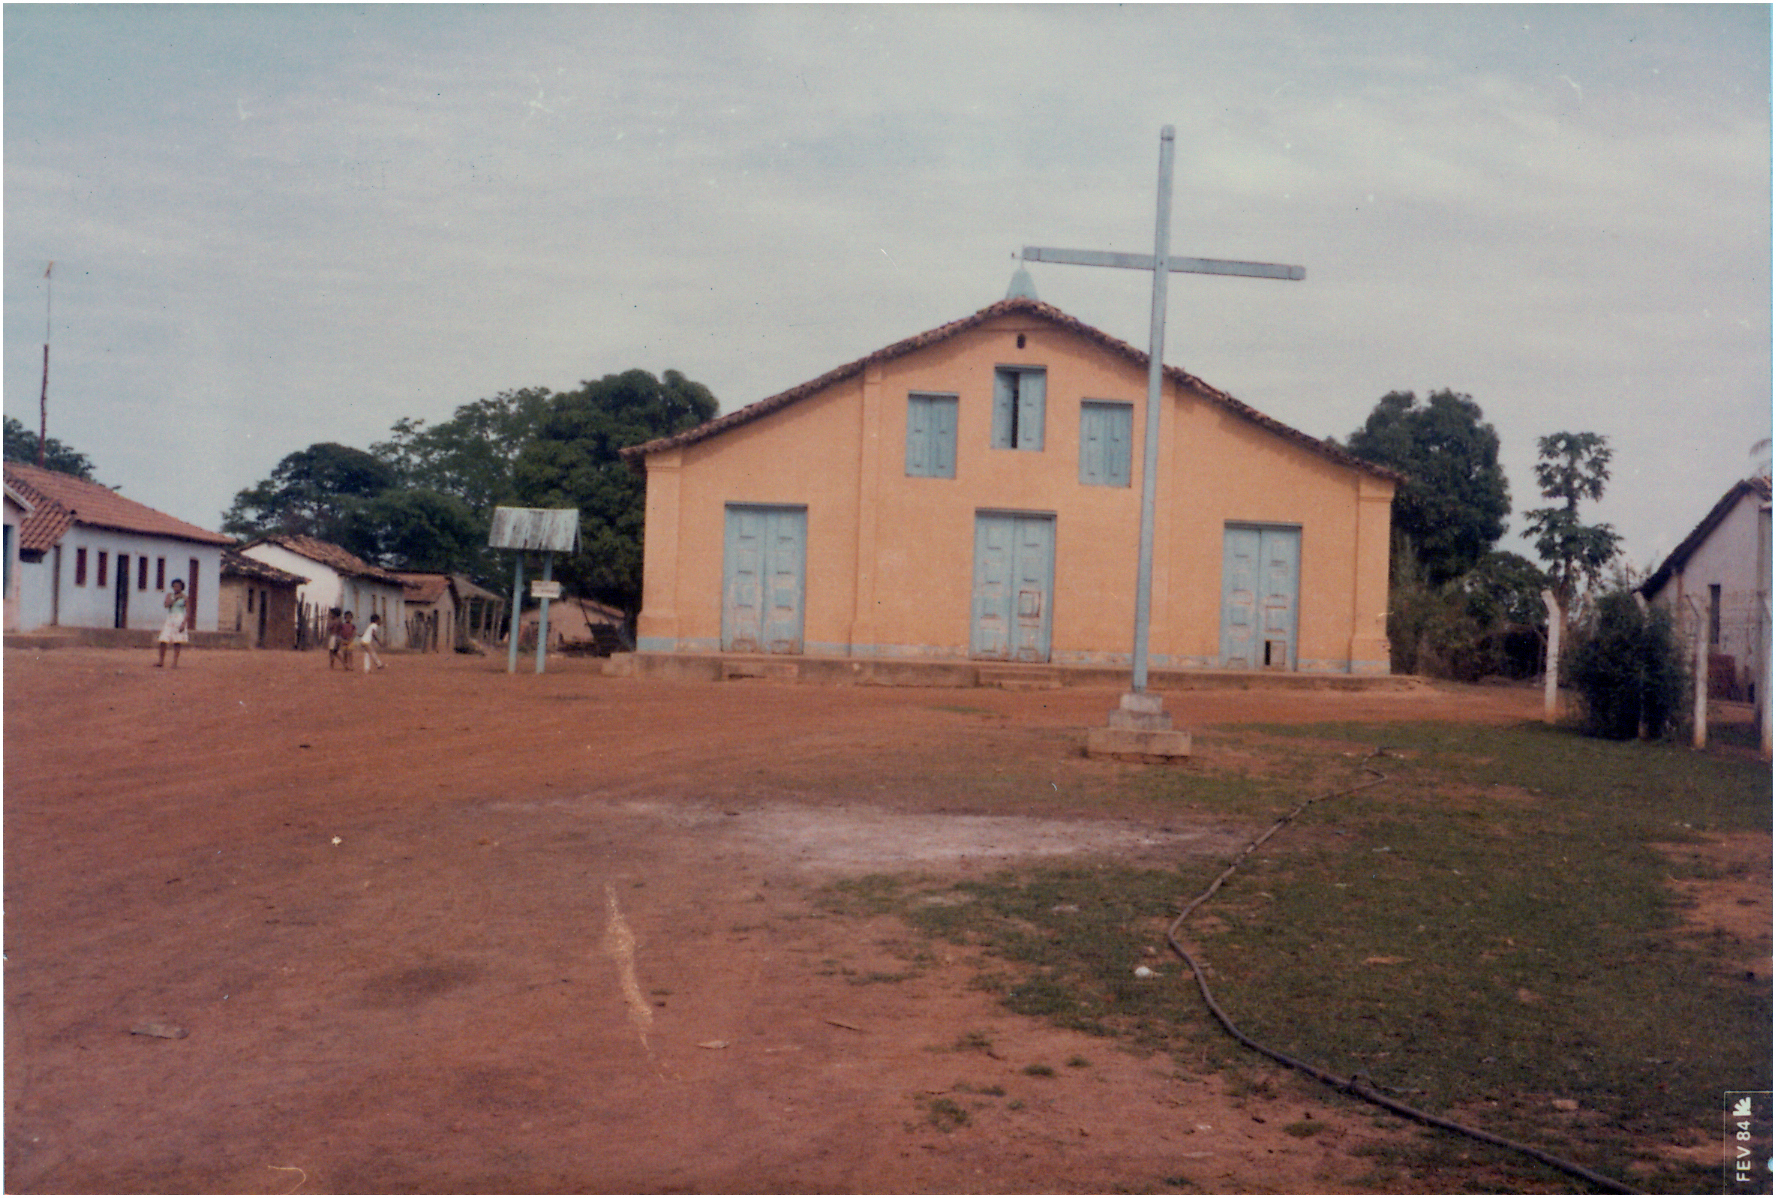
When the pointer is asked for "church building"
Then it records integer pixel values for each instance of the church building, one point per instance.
(974, 492)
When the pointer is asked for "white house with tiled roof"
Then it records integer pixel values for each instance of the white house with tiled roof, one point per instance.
(337, 578)
(1719, 574)
(90, 558)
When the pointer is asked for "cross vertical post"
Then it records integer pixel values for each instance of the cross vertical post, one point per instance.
(1139, 712)
(1156, 333)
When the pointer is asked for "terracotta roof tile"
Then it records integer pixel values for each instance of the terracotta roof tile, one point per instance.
(240, 565)
(423, 586)
(45, 523)
(340, 560)
(635, 455)
(95, 505)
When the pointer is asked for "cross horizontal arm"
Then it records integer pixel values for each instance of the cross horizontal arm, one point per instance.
(1176, 265)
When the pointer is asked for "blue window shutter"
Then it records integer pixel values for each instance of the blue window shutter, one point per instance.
(918, 436)
(931, 436)
(1032, 394)
(1120, 438)
(1105, 435)
(1091, 444)
(1004, 395)
(943, 437)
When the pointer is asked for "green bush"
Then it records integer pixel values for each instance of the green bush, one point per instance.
(1627, 665)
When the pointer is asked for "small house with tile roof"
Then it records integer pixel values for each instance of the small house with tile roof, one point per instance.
(90, 558)
(259, 601)
(974, 492)
(1719, 574)
(336, 578)
(576, 625)
(447, 611)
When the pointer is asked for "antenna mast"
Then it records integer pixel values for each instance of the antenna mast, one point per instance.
(43, 396)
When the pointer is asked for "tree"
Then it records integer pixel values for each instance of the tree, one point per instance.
(1572, 466)
(573, 462)
(21, 446)
(415, 528)
(473, 454)
(1628, 666)
(310, 493)
(1452, 507)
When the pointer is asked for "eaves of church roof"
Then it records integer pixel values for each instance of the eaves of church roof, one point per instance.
(636, 455)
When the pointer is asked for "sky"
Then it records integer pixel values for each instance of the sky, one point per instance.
(279, 225)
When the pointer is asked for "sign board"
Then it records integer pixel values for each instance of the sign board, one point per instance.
(539, 589)
(551, 530)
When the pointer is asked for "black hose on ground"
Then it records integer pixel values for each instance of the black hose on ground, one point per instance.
(1350, 1085)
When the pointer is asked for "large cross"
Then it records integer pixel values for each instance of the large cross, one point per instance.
(1160, 263)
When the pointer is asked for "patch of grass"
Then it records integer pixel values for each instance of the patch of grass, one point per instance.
(1077, 1063)
(872, 894)
(973, 1042)
(1303, 1128)
(1491, 923)
(945, 1114)
(1039, 1070)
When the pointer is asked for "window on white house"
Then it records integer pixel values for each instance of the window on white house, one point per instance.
(1020, 395)
(931, 436)
(1106, 430)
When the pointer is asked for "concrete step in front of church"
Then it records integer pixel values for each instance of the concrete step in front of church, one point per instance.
(1019, 678)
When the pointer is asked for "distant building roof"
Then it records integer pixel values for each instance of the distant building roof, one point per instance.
(1758, 487)
(61, 501)
(426, 586)
(341, 561)
(423, 586)
(1012, 305)
(239, 565)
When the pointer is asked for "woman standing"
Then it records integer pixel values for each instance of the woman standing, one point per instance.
(175, 631)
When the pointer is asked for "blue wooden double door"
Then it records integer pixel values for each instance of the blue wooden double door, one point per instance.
(1260, 583)
(764, 571)
(1014, 557)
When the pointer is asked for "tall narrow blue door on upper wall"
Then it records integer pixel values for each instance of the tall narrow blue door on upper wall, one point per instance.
(1260, 584)
(1013, 586)
(764, 578)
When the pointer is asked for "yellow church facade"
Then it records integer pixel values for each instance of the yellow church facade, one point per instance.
(974, 492)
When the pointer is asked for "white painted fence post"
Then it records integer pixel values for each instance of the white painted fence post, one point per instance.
(1699, 675)
(1551, 661)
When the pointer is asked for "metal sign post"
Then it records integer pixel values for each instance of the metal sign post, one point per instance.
(545, 530)
(517, 607)
(543, 612)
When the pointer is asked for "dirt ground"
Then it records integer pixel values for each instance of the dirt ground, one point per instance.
(441, 929)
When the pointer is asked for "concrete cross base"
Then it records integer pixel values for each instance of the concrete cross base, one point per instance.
(1154, 746)
(1141, 711)
(1138, 730)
